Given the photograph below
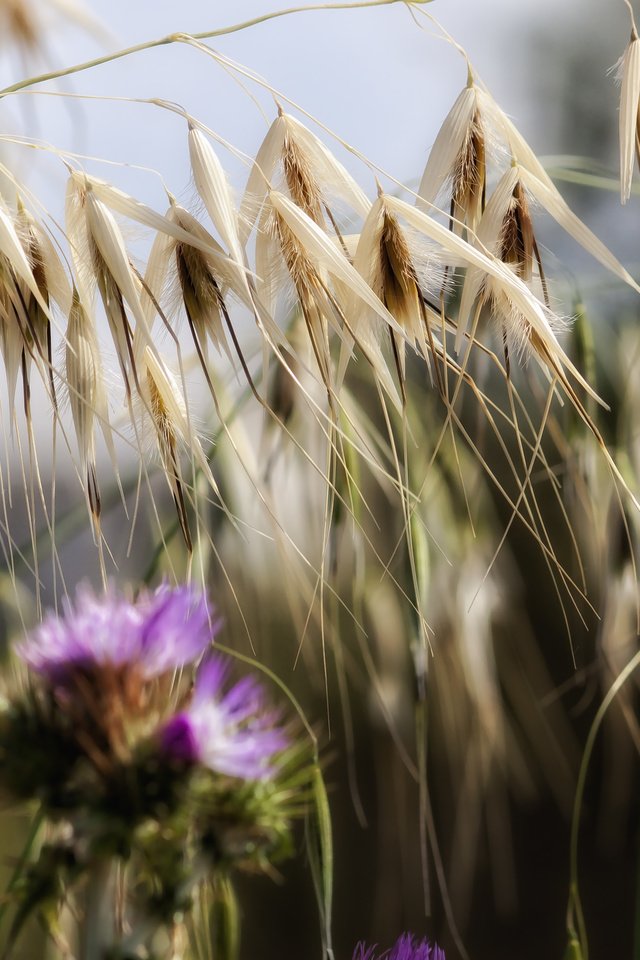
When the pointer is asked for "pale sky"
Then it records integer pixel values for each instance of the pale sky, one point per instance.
(369, 74)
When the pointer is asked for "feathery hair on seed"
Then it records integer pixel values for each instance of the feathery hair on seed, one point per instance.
(518, 246)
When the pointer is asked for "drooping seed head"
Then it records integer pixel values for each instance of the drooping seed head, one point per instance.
(458, 157)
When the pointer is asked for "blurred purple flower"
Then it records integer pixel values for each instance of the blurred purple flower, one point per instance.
(405, 948)
(161, 630)
(232, 733)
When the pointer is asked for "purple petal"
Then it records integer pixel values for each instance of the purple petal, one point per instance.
(178, 740)
(159, 632)
(233, 732)
(211, 677)
(177, 628)
(406, 947)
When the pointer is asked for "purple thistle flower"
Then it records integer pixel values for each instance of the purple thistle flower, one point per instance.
(232, 733)
(406, 947)
(161, 630)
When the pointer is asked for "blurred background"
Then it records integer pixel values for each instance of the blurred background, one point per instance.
(516, 673)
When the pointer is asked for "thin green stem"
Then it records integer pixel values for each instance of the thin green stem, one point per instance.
(205, 35)
(575, 906)
(98, 927)
(23, 860)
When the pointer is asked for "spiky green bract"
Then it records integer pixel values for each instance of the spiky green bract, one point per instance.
(219, 825)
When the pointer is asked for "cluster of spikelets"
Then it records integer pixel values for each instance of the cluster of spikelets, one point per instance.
(371, 295)
(131, 764)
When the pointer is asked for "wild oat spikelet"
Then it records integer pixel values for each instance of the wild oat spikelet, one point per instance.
(52, 282)
(458, 155)
(308, 175)
(162, 401)
(167, 439)
(213, 187)
(317, 305)
(201, 277)
(540, 186)
(201, 292)
(506, 231)
(24, 309)
(629, 116)
(87, 395)
(311, 175)
(300, 177)
(13, 330)
(275, 235)
(396, 267)
(101, 259)
(482, 264)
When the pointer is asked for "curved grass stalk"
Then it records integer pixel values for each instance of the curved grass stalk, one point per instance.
(428, 829)
(576, 925)
(22, 862)
(322, 856)
(205, 35)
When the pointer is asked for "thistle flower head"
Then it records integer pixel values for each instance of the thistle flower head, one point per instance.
(232, 732)
(406, 947)
(160, 631)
